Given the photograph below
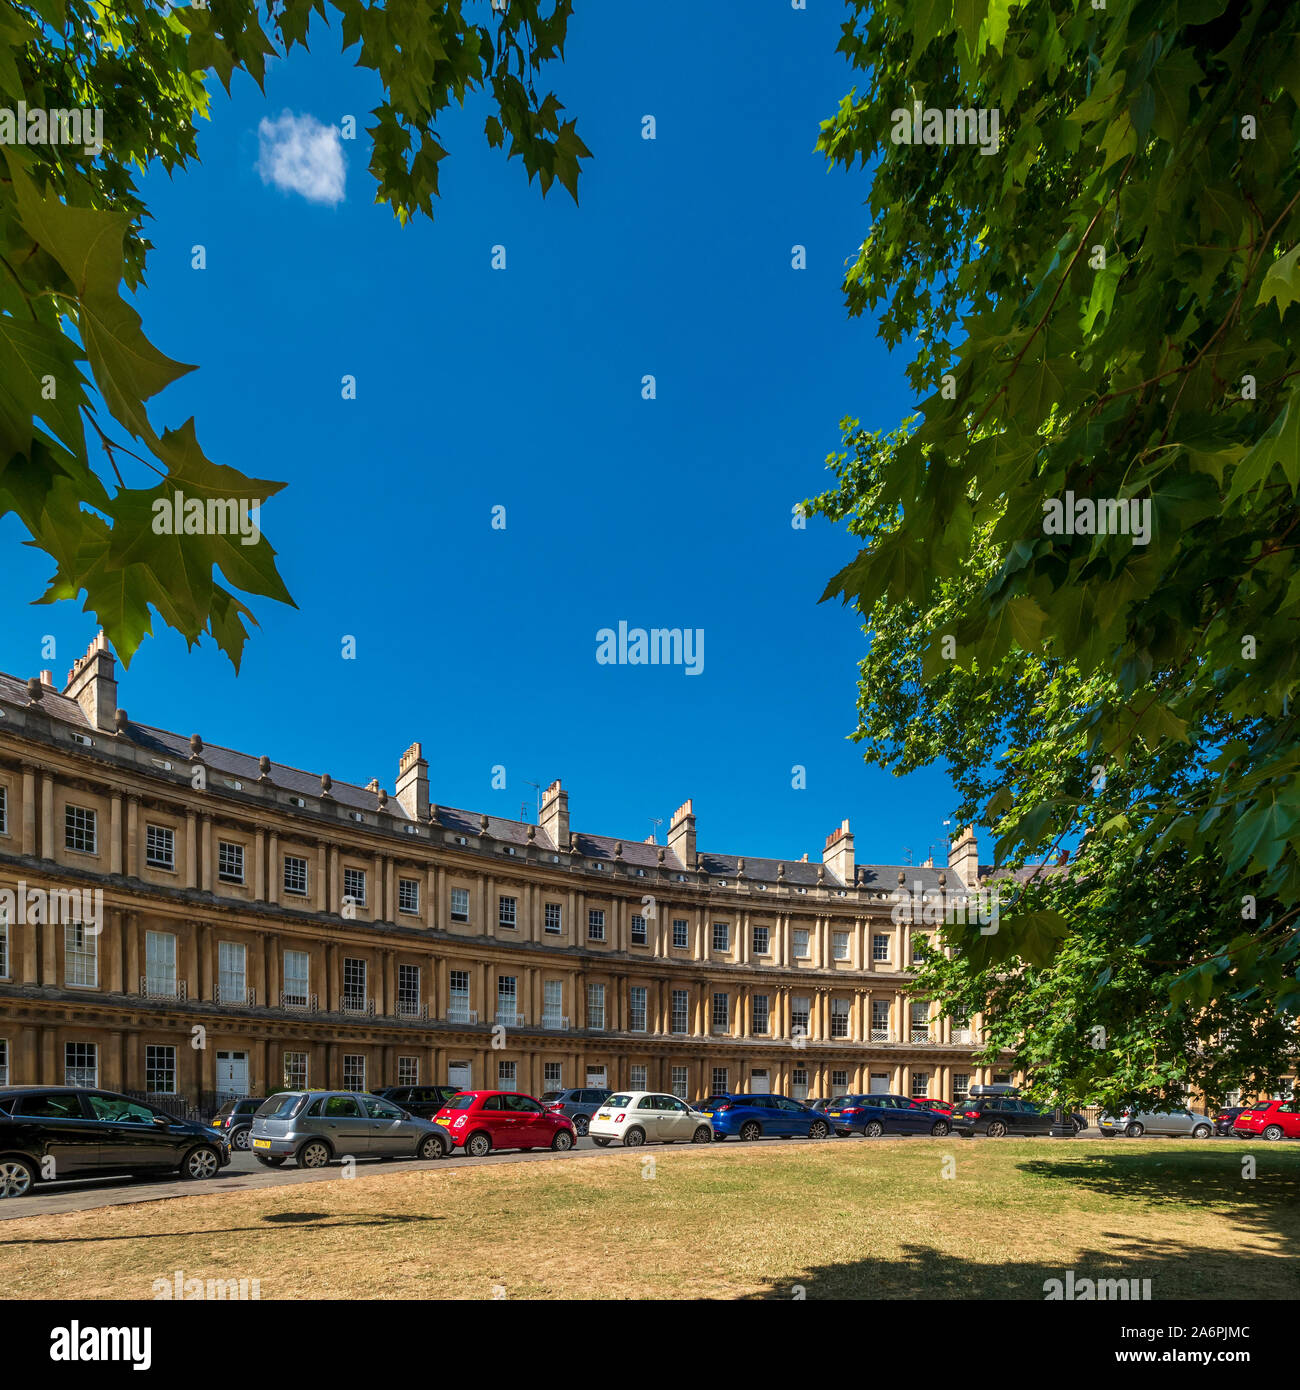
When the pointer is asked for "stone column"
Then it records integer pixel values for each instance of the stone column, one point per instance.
(29, 810)
(191, 850)
(206, 854)
(115, 834)
(47, 816)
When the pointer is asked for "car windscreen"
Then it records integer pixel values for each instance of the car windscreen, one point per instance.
(281, 1106)
(620, 1099)
(551, 1095)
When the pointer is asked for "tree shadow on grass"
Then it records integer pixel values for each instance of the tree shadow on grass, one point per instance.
(1150, 1186)
(1177, 1270)
(315, 1220)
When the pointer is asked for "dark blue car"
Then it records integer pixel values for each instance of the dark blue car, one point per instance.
(753, 1117)
(876, 1115)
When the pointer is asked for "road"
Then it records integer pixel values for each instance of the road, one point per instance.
(245, 1172)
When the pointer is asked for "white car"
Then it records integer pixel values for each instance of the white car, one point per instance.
(633, 1118)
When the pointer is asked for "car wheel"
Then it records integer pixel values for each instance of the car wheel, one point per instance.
(562, 1142)
(430, 1147)
(996, 1130)
(1201, 1132)
(1273, 1132)
(478, 1145)
(1134, 1131)
(939, 1128)
(240, 1140)
(874, 1129)
(701, 1135)
(203, 1162)
(271, 1161)
(582, 1123)
(603, 1143)
(17, 1177)
(750, 1130)
(314, 1154)
(1078, 1128)
(633, 1138)
(819, 1129)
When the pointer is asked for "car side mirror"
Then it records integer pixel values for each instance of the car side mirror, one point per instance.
(161, 1120)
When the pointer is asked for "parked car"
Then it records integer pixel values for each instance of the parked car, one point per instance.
(1274, 1119)
(83, 1132)
(633, 1118)
(1002, 1088)
(316, 1127)
(480, 1121)
(1224, 1118)
(235, 1119)
(424, 1101)
(875, 1115)
(1182, 1124)
(578, 1104)
(1000, 1114)
(752, 1117)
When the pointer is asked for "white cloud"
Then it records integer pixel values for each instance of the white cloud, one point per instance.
(299, 155)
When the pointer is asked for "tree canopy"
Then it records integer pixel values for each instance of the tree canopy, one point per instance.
(73, 248)
(1100, 311)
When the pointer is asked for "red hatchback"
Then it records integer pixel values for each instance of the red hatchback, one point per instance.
(1274, 1119)
(480, 1121)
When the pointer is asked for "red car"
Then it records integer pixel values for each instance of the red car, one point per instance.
(1272, 1120)
(480, 1121)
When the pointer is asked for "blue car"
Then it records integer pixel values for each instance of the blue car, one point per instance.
(877, 1115)
(753, 1117)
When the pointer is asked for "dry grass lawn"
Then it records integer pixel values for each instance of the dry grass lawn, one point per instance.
(850, 1219)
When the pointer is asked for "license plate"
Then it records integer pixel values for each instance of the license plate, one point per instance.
(216, 1124)
(708, 1114)
(442, 1122)
(834, 1114)
(603, 1115)
(261, 1143)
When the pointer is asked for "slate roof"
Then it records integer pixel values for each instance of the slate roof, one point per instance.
(245, 767)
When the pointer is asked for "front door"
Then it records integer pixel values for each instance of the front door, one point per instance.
(459, 1074)
(232, 1075)
(131, 1137)
(390, 1131)
(675, 1120)
(649, 1118)
(596, 1079)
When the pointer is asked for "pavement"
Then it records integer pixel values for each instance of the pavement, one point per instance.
(245, 1172)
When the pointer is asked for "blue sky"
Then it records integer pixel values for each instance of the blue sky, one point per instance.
(521, 388)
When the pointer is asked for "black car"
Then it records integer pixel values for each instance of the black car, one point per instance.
(1001, 1115)
(423, 1102)
(235, 1119)
(53, 1132)
(1223, 1119)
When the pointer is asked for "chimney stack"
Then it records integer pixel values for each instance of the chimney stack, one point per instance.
(555, 814)
(964, 857)
(838, 854)
(93, 685)
(681, 833)
(413, 783)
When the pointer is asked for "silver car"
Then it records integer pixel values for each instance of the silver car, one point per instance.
(1183, 1124)
(316, 1127)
